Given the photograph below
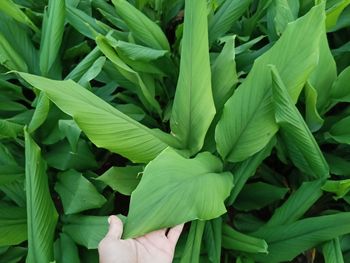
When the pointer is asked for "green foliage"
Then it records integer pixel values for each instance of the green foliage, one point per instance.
(231, 116)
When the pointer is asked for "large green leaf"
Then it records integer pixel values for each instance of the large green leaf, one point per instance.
(41, 212)
(87, 231)
(77, 193)
(13, 225)
(104, 125)
(193, 108)
(167, 188)
(53, 28)
(302, 146)
(247, 123)
(287, 241)
(144, 29)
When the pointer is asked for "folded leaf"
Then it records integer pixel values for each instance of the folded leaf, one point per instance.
(192, 250)
(332, 251)
(193, 108)
(41, 212)
(302, 146)
(247, 123)
(104, 125)
(167, 186)
(340, 131)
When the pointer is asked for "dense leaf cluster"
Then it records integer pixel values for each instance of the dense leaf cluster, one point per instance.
(231, 115)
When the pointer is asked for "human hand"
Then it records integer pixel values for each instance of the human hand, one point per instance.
(155, 247)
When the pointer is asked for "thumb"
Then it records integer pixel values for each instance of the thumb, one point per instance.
(115, 227)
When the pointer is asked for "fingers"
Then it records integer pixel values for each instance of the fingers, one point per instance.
(174, 234)
(115, 227)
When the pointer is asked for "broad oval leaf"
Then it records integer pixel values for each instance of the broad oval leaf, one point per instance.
(104, 125)
(247, 123)
(193, 108)
(178, 190)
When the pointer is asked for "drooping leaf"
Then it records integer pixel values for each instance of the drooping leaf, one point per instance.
(302, 146)
(340, 131)
(122, 179)
(41, 212)
(40, 113)
(247, 123)
(340, 91)
(334, 12)
(193, 108)
(167, 186)
(104, 125)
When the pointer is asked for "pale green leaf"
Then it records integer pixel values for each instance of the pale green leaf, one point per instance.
(334, 12)
(193, 108)
(104, 125)
(167, 187)
(40, 114)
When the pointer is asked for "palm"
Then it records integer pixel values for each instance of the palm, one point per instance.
(154, 247)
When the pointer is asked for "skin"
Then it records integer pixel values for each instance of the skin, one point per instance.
(155, 247)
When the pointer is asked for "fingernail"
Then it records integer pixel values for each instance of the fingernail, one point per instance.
(109, 220)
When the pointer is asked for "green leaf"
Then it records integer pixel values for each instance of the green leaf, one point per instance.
(143, 29)
(334, 12)
(104, 125)
(193, 108)
(338, 165)
(72, 132)
(302, 146)
(144, 92)
(167, 186)
(122, 179)
(224, 75)
(340, 131)
(66, 251)
(13, 225)
(247, 123)
(9, 56)
(87, 231)
(192, 248)
(289, 240)
(340, 188)
(332, 251)
(212, 239)
(40, 114)
(10, 173)
(340, 91)
(10, 129)
(41, 212)
(77, 193)
(312, 117)
(258, 195)
(52, 33)
(298, 203)
(13, 10)
(232, 239)
(228, 13)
